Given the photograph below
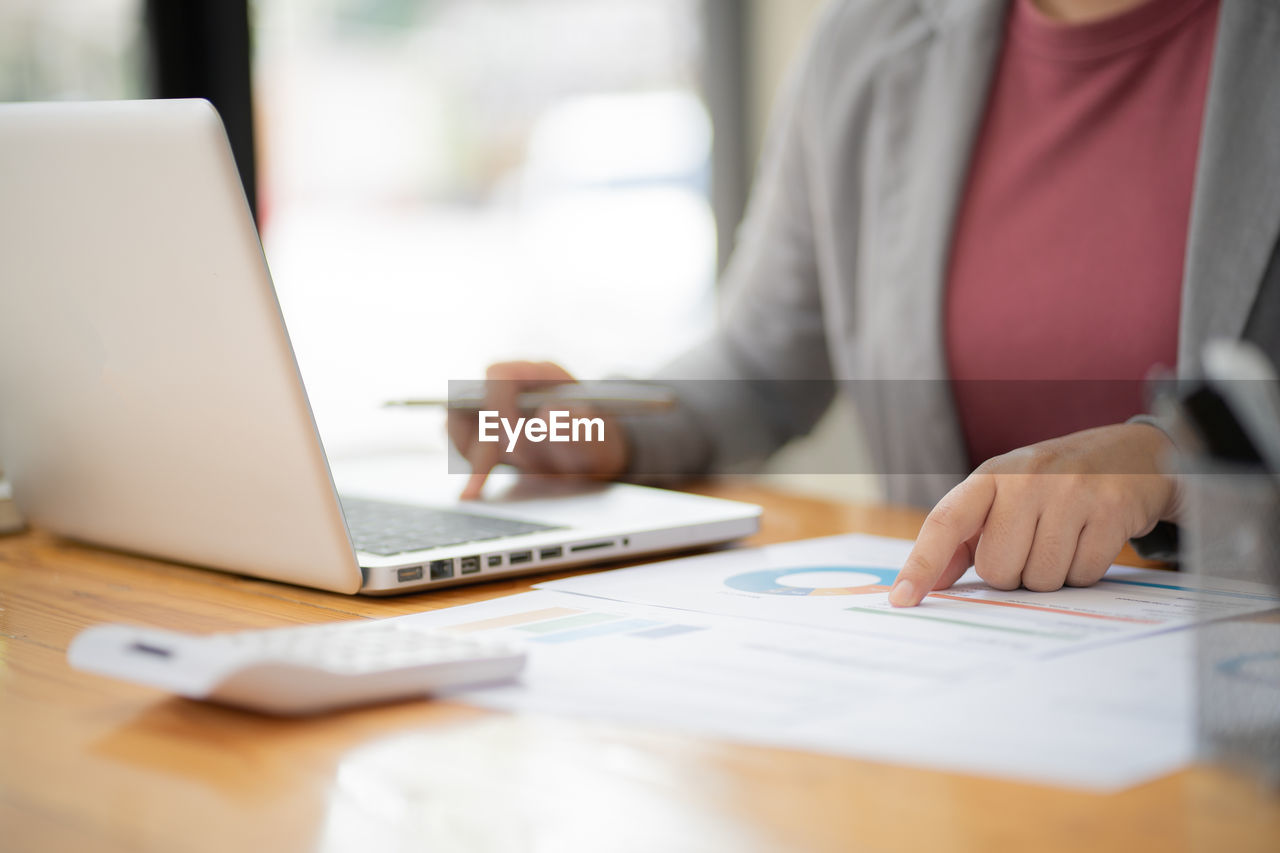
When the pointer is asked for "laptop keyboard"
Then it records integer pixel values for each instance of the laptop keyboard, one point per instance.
(382, 528)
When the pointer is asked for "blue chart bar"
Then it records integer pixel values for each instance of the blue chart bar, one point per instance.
(666, 631)
(597, 631)
(1195, 589)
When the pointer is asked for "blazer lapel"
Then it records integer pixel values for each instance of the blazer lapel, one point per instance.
(940, 89)
(1235, 214)
(937, 88)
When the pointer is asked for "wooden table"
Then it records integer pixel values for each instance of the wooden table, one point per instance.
(89, 764)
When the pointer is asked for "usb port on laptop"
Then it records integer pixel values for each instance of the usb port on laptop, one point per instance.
(551, 553)
(518, 557)
(413, 573)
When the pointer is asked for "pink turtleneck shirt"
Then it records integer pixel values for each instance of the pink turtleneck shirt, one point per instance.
(1066, 262)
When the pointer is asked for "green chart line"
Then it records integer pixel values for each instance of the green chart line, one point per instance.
(963, 622)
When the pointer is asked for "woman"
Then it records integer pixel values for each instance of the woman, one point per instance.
(1016, 195)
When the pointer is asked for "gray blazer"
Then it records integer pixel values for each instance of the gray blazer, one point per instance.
(840, 262)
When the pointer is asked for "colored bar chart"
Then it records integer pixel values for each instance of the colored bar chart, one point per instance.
(567, 625)
(513, 619)
(617, 626)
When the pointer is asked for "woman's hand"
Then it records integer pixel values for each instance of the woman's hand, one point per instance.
(1054, 513)
(504, 383)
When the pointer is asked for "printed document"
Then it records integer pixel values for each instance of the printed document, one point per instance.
(795, 646)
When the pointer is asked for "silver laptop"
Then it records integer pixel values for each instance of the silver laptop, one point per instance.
(150, 400)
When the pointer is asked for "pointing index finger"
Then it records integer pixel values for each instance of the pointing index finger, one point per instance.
(958, 517)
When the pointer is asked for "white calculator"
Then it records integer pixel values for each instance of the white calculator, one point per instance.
(293, 671)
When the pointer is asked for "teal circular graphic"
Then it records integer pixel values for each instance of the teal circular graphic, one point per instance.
(1260, 668)
(815, 580)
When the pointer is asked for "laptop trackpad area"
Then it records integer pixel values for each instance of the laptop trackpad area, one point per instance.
(554, 501)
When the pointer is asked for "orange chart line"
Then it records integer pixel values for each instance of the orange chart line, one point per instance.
(1045, 609)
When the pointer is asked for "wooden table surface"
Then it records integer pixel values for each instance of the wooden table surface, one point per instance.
(90, 764)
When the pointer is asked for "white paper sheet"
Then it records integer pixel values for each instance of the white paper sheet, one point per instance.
(790, 646)
(652, 665)
(1101, 720)
(842, 583)
(1104, 719)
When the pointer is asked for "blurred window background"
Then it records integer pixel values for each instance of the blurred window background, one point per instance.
(445, 183)
(72, 50)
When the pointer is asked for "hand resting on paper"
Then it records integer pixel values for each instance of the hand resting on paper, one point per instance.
(1042, 516)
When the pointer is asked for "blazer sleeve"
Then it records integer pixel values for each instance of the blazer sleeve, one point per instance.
(1263, 330)
(764, 376)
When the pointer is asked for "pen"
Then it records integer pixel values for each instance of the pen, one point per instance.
(613, 398)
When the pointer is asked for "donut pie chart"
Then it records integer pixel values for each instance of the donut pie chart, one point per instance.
(815, 580)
